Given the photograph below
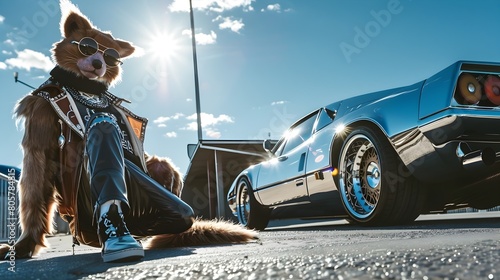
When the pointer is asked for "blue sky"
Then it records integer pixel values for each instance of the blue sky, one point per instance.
(262, 64)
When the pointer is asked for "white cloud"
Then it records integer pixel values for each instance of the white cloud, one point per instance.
(6, 52)
(14, 39)
(171, 134)
(210, 5)
(177, 116)
(201, 38)
(2, 18)
(208, 123)
(281, 102)
(27, 59)
(212, 133)
(3, 66)
(210, 119)
(206, 39)
(162, 120)
(273, 7)
(229, 23)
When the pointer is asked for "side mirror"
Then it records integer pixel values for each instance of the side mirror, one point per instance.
(268, 146)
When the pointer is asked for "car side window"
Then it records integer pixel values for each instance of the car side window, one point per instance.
(299, 133)
(326, 116)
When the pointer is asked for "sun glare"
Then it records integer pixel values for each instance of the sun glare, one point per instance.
(163, 46)
(340, 128)
(291, 133)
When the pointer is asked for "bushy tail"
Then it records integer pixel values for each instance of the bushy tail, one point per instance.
(204, 232)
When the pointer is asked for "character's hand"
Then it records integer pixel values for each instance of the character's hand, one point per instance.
(22, 249)
(4, 251)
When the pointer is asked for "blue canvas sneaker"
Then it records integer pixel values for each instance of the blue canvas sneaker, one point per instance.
(116, 241)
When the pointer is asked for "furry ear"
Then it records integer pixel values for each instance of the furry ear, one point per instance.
(125, 49)
(72, 19)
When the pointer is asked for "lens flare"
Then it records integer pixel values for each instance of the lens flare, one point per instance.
(339, 129)
(335, 172)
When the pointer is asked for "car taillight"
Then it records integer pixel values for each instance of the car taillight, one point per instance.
(478, 89)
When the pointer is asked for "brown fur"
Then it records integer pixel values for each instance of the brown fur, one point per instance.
(37, 194)
(41, 177)
(74, 27)
(204, 232)
(164, 172)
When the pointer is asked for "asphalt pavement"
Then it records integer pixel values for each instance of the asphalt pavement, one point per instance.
(465, 247)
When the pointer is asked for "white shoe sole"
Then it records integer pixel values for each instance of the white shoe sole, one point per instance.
(123, 255)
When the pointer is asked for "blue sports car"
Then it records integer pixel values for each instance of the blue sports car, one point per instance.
(386, 157)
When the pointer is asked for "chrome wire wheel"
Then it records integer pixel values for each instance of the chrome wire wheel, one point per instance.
(250, 213)
(360, 176)
(243, 203)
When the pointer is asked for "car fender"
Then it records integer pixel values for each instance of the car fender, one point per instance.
(392, 112)
(438, 90)
(251, 173)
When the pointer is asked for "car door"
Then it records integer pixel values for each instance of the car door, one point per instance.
(320, 182)
(281, 180)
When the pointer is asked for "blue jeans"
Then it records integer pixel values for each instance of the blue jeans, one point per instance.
(149, 207)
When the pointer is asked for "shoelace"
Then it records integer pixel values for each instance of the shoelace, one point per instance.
(110, 228)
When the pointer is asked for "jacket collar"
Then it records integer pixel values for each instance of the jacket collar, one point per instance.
(70, 79)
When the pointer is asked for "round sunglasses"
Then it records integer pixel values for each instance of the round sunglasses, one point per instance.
(88, 46)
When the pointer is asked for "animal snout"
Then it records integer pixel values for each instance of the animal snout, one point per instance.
(97, 64)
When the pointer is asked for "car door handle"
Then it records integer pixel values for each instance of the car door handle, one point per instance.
(282, 158)
(299, 182)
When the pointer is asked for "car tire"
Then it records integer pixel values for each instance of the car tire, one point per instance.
(249, 212)
(375, 187)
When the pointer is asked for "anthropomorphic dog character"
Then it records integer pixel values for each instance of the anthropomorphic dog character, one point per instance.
(83, 155)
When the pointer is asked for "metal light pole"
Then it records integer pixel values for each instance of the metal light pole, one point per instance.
(195, 62)
(16, 75)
